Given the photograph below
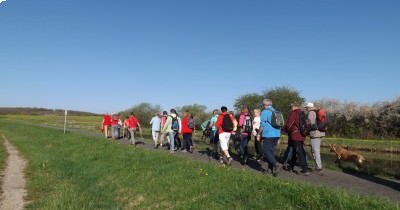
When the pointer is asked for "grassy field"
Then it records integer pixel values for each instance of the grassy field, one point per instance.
(79, 172)
(383, 164)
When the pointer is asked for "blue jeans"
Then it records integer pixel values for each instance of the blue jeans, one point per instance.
(269, 145)
(172, 142)
(243, 145)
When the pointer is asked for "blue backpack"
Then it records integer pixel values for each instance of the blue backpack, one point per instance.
(175, 124)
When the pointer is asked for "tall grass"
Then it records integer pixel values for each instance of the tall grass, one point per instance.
(79, 172)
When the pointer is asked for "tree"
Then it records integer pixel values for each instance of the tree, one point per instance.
(143, 111)
(282, 97)
(252, 101)
(199, 112)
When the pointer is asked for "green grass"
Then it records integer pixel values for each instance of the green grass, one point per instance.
(80, 172)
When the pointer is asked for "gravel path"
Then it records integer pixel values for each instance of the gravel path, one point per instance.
(13, 181)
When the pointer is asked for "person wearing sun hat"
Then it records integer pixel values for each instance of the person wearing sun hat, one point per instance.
(315, 135)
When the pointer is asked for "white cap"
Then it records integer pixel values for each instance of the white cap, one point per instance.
(310, 105)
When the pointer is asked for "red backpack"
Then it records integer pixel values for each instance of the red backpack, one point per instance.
(322, 120)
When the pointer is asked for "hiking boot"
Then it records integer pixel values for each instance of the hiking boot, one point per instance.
(184, 151)
(229, 161)
(221, 160)
(191, 149)
(276, 169)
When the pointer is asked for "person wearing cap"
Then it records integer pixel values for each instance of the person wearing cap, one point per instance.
(269, 135)
(315, 136)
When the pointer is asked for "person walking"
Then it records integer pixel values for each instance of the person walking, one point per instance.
(125, 126)
(164, 137)
(214, 137)
(187, 131)
(106, 125)
(294, 129)
(316, 136)
(256, 128)
(171, 127)
(270, 136)
(226, 126)
(133, 125)
(114, 126)
(246, 127)
(155, 129)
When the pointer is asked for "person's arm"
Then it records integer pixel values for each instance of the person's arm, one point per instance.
(241, 120)
(235, 123)
(180, 124)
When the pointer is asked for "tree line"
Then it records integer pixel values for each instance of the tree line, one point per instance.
(347, 119)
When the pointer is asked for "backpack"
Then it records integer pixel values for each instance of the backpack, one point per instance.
(247, 126)
(322, 120)
(175, 124)
(303, 123)
(191, 123)
(227, 124)
(277, 120)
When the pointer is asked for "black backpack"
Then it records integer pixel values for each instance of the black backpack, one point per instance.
(277, 120)
(247, 126)
(303, 123)
(227, 124)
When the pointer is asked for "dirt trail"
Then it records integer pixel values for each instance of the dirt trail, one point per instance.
(13, 181)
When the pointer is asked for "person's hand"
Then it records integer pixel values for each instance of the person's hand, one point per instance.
(258, 137)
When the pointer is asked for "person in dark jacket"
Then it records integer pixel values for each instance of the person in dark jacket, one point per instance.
(292, 128)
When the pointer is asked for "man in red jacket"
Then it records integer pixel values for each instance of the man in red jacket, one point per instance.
(292, 128)
(226, 125)
(106, 124)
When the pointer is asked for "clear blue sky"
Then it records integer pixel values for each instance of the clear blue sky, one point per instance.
(109, 55)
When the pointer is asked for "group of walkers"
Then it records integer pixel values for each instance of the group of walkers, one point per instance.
(264, 127)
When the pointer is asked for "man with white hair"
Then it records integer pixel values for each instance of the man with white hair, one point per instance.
(315, 135)
(269, 136)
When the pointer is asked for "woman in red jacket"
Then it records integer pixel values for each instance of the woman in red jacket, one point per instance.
(292, 127)
(187, 132)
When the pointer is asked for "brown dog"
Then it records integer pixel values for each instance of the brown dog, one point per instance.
(347, 155)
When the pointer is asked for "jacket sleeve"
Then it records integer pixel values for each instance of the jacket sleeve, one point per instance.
(291, 122)
(241, 120)
(218, 123)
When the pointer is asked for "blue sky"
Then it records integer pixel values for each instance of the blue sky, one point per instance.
(104, 56)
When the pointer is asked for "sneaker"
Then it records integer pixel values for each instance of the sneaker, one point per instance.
(245, 159)
(229, 161)
(276, 169)
(305, 173)
(172, 151)
(184, 151)
(221, 160)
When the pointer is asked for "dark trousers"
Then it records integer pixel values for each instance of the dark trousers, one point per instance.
(214, 145)
(177, 140)
(259, 148)
(187, 141)
(269, 145)
(243, 144)
(298, 153)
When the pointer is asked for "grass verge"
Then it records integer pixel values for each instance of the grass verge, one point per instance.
(79, 172)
